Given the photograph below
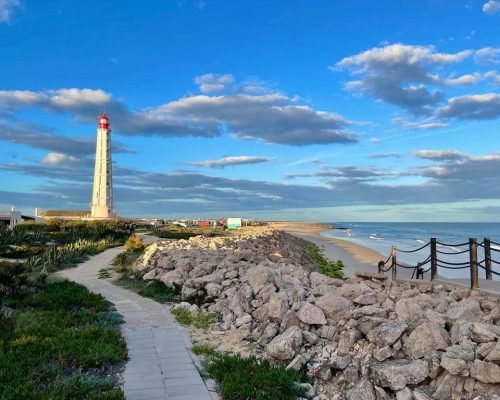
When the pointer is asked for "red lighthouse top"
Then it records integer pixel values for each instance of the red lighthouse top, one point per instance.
(103, 121)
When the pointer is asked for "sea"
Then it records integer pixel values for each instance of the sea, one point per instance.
(381, 236)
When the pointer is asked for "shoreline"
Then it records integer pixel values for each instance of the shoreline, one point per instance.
(354, 256)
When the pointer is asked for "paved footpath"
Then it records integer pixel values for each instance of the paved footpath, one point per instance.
(160, 365)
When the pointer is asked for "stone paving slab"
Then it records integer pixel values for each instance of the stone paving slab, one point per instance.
(160, 366)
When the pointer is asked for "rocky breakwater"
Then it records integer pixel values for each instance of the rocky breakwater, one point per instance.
(364, 338)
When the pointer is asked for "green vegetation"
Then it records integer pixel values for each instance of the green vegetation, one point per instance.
(203, 349)
(155, 290)
(134, 244)
(58, 340)
(124, 262)
(198, 320)
(179, 232)
(333, 269)
(246, 378)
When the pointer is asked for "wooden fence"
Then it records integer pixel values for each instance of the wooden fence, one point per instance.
(436, 259)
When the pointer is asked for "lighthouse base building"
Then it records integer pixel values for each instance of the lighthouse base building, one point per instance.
(102, 192)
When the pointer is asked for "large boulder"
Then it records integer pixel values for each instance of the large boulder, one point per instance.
(426, 338)
(277, 308)
(286, 345)
(485, 372)
(397, 374)
(318, 279)
(467, 309)
(387, 333)
(408, 310)
(311, 315)
(335, 307)
(362, 390)
(258, 276)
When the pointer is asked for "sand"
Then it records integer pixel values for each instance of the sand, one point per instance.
(354, 256)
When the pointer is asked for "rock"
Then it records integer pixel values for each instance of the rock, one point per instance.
(327, 332)
(275, 257)
(286, 345)
(426, 338)
(370, 275)
(258, 276)
(276, 308)
(397, 374)
(408, 310)
(298, 362)
(309, 390)
(423, 393)
(310, 337)
(466, 352)
(448, 387)
(467, 309)
(245, 319)
(494, 353)
(325, 374)
(387, 333)
(482, 333)
(382, 354)
(340, 362)
(172, 278)
(270, 331)
(183, 305)
(485, 372)
(366, 299)
(404, 394)
(362, 390)
(318, 279)
(347, 340)
(459, 330)
(311, 315)
(454, 366)
(335, 307)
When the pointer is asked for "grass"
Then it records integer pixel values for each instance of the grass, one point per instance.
(247, 378)
(198, 320)
(203, 349)
(62, 342)
(124, 262)
(105, 273)
(155, 290)
(333, 269)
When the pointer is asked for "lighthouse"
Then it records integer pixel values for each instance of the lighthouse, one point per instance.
(102, 193)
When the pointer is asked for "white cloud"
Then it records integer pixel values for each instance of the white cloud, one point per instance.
(475, 107)
(271, 118)
(230, 161)
(400, 74)
(419, 125)
(494, 76)
(492, 7)
(8, 8)
(59, 159)
(441, 155)
(488, 55)
(214, 83)
(464, 80)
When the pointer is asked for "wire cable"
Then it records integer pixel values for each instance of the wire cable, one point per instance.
(453, 263)
(414, 250)
(452, 253)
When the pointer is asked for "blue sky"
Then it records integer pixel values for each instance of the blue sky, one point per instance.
(332, 111)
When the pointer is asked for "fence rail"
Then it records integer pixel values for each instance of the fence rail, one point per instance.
(435, 260)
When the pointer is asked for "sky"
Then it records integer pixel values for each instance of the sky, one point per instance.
(320, 110)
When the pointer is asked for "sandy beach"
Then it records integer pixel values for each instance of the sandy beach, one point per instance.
(354, 256)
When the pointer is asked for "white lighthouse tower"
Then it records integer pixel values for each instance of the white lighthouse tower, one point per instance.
(102, 193)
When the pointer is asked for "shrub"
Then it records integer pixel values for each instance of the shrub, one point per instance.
(198, 320)
(333, 269)
(246, 378)
(134, 244)
(203, 349)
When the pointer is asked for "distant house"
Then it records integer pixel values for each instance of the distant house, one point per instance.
(233, 223)
(63, 214)
(203, 223)
(12, 218)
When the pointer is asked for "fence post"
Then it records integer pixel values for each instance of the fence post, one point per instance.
(474, 278)
(487, 258)
(434, 265)
(394, 262)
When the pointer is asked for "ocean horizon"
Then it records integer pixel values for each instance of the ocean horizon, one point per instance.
(381, 236)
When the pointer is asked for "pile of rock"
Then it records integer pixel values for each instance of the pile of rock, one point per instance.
(364, 338)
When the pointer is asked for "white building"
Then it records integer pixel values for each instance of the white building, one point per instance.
(102, 193)
(10, 218)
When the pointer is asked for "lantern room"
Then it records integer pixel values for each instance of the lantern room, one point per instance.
(103, 121)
